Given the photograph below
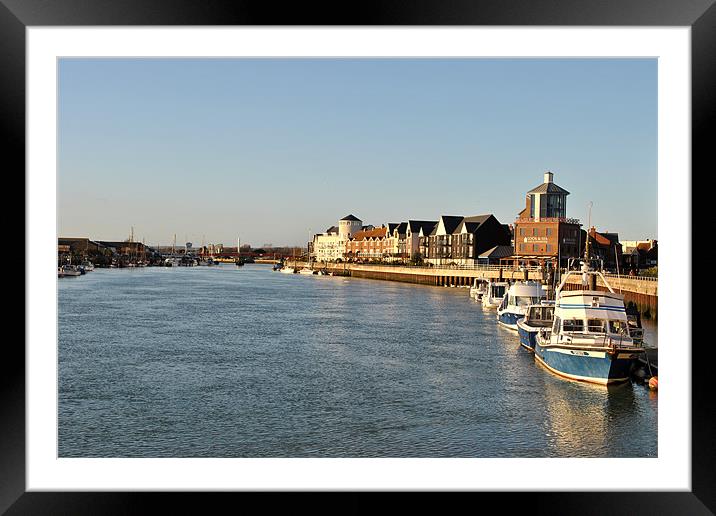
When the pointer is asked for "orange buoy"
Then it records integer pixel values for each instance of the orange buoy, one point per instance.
(653, 383)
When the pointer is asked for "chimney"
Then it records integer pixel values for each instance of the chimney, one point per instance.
(548, 177)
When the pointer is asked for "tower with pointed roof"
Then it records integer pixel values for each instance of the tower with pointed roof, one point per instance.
(543, 232)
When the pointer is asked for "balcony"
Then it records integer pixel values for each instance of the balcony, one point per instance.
(565, 220)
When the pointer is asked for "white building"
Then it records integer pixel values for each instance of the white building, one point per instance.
(331, 245)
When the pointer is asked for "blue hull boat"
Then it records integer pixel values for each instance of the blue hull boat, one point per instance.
(514, 305)
(590, 339)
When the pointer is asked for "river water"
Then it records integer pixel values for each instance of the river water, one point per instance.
(247, 362)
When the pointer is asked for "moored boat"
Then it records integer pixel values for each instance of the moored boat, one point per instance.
(519, 296)
(494, 292)
(287, 270)
(70, 271)
(590, 339)
(478, 289)
(537, 317)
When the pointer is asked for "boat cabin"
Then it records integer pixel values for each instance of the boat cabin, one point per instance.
(540, 315)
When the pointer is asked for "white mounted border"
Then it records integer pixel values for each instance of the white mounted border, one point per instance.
(670, 471)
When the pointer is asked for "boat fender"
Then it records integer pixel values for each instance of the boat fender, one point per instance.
(653, 383)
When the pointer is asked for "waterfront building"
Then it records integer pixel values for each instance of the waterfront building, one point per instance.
(331, 245)
(639, 254)
(397, 236)
(415, 230)
(497, 255)
(542, 231)
(460, 240)
(79, 245)
(370, 244)
(605, 247)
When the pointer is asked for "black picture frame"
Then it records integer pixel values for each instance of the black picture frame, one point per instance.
(16, 15)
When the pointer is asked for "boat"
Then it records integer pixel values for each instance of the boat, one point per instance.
(239, 262)
(494, 292)
(518, 297)
(306, 270)
(88, 266)
(276, 267)
(172, 261)
(287, 270)
(590, 337)
(478, 289)
(70, 271)
(60, 272)
(537, 317)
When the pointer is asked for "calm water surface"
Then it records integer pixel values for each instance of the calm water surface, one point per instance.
(227, 362)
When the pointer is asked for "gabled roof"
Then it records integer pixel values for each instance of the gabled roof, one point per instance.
(392, 226)
(599, 238)
(499, 251)
(365, 234)
(352, 217)
(470, 224)
(478, 218)
(332, 229)
(426, 225)
(548, 188)
(450, 223)
(402, 228)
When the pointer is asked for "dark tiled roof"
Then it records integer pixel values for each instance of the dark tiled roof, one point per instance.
(471, 223)
(402, 228)
(451, 222)
(548, 188)
(392, 226)
(426, 225)
(332, 229)
(499, 251)
(478, 218)
(351, 217)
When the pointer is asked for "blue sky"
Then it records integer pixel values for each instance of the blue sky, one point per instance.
(268, 149)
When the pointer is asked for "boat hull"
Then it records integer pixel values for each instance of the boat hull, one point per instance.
(509, 319)
(528, 337)
(586, 365)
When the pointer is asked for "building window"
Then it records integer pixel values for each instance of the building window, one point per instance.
(535, 231)
(535, 248)
(549, 248)
(532, 206)
(522, 231)
(549, 231)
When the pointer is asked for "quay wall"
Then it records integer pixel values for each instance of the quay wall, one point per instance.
(642, 292)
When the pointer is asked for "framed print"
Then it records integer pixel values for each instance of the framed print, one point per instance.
(202, 122)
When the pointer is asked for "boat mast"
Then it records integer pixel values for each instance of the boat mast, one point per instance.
(589, 229)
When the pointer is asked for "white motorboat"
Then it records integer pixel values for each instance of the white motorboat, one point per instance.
(478, 289)
(590, 339)
(520, 295)
(494, 292)
(70, 271)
